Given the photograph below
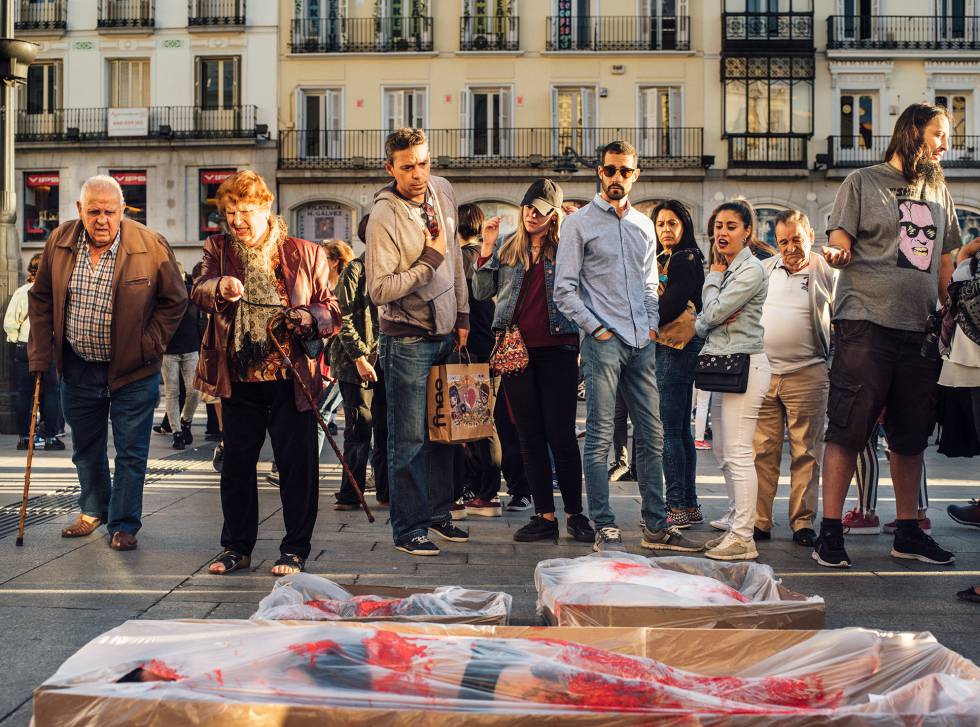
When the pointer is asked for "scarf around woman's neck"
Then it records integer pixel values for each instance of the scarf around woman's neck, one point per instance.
(251, 345)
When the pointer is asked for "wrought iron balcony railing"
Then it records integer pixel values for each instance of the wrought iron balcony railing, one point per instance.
(489, 32)
(52, 15)
(362, 35)
(126, 13)
(903, 32)
(204, 13)
(767, 150)
(750, 32)
(860, 150)
(490, 148)
(163, 122)
(619, 33)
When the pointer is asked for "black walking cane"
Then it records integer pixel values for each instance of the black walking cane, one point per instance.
(273, 322)
(30, 459)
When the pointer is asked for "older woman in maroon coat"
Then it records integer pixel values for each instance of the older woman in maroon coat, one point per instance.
(249, 275)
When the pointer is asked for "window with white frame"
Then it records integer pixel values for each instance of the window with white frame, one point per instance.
(218, 82)
(320, 122)
(42, 93)
(486, 115)
(573, 118)
(660, 121)
(129, 82)
(404, 107)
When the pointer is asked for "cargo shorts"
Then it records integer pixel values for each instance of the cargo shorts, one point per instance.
(874, 370)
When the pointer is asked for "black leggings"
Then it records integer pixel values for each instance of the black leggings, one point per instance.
(544, 400)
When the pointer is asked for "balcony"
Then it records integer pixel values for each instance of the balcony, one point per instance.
(215, 14)
(126, 14)
(362, 35)
(489, 33)
(493, 148)
(851, 152)
(903, 33)
(619, 33)
(41, 17)
(158, 122)
(778, 151)
(748, 33)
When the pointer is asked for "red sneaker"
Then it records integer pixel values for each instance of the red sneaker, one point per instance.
(925, 525)
(702, 444)
(484, 508)
(861, 523)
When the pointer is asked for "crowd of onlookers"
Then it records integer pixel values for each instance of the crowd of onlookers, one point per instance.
(875, 333)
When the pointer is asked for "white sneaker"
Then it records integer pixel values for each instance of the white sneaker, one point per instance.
(721, 524)
(733, 547)
(715, 542)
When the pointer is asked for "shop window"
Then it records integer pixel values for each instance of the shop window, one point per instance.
(210, 180)
(133, 183)
(40, 204)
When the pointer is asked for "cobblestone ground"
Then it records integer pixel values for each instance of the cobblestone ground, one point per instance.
(57, 594)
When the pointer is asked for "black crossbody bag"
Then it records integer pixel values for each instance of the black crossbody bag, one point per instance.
(724, 373)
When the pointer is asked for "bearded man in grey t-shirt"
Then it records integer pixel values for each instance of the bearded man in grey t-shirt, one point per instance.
(891, 231)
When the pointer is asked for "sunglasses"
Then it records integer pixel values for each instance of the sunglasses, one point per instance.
(610, 171)
(430, 219)
(913, 230)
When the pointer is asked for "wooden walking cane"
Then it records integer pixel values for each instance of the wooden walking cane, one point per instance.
(274, 321)
(30, 458)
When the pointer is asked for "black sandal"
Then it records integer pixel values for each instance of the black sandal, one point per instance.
(291, 561)
(230, 561)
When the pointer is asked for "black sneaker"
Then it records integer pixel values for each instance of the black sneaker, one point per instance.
(695, 516)
(419, 545)
(218, 458)
(608, 538)
(519, 503)
(163, 428)
(805, 537)
(448, 531)
(966, 514)
(758, 534)
(579, 528)
(53, 443)
(178, 441)
(23, 442)
(212, 436)
(539, 528)
(185, 432)
(916, 545)
(617, 471)
(829, 551)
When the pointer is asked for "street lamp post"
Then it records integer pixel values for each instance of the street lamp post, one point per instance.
(570, 162)
(15, 57)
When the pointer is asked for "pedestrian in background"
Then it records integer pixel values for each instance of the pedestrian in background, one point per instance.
(107, 298)
(733, 295)
(520, 272)
(179, 364)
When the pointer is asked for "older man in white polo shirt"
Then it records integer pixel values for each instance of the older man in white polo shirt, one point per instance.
(796, 318)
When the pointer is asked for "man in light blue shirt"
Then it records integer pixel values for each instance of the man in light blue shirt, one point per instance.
(606, 282)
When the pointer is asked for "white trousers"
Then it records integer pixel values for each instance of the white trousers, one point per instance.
(733, 418)
(701, 413)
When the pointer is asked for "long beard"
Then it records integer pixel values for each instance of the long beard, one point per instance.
(929, 171)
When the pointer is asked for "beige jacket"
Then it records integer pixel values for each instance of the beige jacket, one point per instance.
(417, 290)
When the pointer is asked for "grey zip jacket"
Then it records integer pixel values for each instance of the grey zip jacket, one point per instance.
(741, 289)
(417, 290)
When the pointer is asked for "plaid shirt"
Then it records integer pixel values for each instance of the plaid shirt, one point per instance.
(88, 321)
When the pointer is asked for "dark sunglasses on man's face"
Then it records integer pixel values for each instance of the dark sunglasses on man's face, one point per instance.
(610, 171)
(430, 219)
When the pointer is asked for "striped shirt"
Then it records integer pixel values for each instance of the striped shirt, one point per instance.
(88, 320)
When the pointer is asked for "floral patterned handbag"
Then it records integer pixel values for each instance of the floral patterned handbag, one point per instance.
(509, 355)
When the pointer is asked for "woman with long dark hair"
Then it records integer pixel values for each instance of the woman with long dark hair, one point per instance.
(681, 278)
(520, 271)
(733, 295)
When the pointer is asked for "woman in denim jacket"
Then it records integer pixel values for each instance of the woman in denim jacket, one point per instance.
(543, 397)
(733, 295)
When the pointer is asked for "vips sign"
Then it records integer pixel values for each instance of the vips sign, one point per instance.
(460, 403)
(128, 122)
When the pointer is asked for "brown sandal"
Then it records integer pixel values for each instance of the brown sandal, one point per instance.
(80, 528)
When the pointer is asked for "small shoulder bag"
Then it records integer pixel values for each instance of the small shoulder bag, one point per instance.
(509, 355)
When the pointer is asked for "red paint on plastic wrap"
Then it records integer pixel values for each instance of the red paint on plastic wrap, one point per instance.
(162, 670)
(314, 649)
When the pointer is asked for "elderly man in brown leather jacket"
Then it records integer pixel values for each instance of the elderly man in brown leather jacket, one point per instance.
(109, 295)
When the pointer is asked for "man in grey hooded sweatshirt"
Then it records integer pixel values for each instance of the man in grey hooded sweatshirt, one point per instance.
(419, 285)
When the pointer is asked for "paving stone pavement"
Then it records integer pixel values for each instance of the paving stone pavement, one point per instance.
(57, 594)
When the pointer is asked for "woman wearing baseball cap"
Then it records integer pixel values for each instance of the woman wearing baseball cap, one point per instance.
(520, 271)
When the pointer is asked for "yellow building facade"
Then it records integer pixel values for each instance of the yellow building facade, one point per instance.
(772, 100)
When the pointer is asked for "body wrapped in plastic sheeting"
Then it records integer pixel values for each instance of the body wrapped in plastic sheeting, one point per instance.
(204, 670)
(622, 589)
(306, 597)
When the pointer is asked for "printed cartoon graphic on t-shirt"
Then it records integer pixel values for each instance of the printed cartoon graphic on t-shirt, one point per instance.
(916, 235)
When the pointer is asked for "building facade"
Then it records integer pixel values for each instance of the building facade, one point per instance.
(772, 100)
(169, 97)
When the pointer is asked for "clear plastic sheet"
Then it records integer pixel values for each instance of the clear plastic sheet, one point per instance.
(622, 589)
(339, 672)
(306, 597)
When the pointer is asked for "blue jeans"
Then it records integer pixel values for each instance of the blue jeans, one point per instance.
(675, 379)
(89, 406)
(609, 365)
(420, 477)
